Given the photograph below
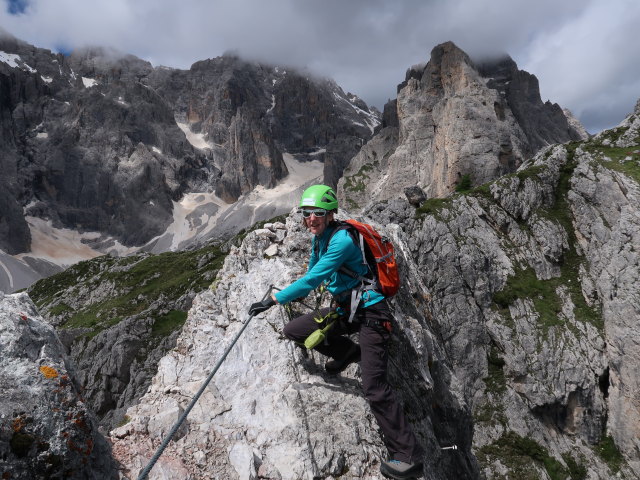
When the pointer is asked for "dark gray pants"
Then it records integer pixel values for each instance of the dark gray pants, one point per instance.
(373, 339)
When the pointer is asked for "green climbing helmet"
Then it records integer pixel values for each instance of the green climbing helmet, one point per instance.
(320, 196)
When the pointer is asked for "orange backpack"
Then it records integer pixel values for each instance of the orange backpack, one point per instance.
(378, 253)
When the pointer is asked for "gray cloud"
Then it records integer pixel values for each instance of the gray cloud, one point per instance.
(584, 52)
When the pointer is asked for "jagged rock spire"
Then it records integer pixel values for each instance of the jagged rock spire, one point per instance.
(454, 119)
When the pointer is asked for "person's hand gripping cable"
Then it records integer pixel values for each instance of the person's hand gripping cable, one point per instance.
(263, 306)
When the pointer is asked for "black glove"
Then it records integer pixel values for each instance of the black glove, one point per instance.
(262, 306)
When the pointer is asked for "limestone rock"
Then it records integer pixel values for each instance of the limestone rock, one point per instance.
(552, 368)
(46, 429)
(608, 226)
(575, 124)
(415, 195)
(514, 328)
(455, 120)
(271, 410)
(514, 340)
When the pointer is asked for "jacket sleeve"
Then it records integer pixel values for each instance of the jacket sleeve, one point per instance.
(320, 269)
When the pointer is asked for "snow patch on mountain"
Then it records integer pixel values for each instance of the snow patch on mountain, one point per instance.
(89, 82)
(370, 119)
(273, 101)
(193, 216)
(14, 61)
(195, 139)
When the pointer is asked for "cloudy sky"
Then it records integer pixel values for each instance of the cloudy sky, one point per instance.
(585, 53)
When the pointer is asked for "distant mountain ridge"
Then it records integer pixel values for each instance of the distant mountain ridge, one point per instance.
(104, 142)
(92, 126)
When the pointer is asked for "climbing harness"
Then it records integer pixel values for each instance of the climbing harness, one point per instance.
(318, 336)
(144, 474)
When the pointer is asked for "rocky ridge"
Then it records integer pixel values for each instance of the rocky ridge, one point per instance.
(454, 121)
(515, 332)
(511, 340)
(270, 411)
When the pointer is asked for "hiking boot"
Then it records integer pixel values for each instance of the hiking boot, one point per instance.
(336, 366)
(400, 470)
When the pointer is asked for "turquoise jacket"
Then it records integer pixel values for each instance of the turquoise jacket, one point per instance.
(324, 263)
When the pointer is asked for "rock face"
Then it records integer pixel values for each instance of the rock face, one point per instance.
(516, 324)
(104, 142)
(99, 153)
(514, 340)
(271, 411)
(250, 114)
(453, 120)
(46, 430)
(520, 279)
(608, 232)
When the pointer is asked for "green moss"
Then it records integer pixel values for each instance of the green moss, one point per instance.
(517, 453)
(525, 284)
(531, 173)
(612, 135)
(352, 204)
(490, 412)
(168, 323)
(46, 290)
(432, 206)
(615, 158)
(495, 380)
(483, 191)
(126, 419)
(577, 471)
(608, 451)
(357, 181)
(60, 308)
(139, 281)
(465, 184)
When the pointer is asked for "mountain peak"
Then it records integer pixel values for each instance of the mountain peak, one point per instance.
(455, 119)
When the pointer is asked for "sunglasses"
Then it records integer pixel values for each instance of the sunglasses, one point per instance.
(318, 212)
